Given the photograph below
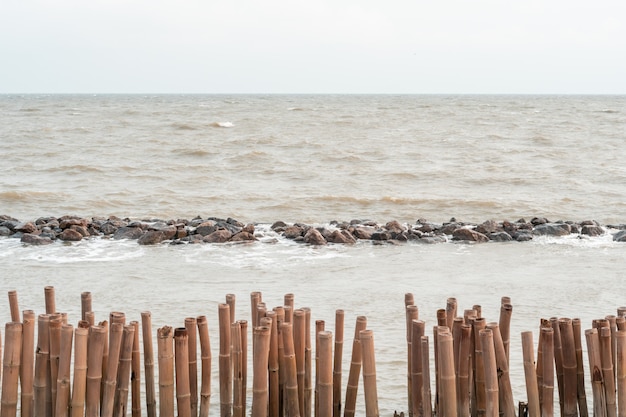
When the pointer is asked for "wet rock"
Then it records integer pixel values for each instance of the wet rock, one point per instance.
(65, 223)
(108, 228)
(71, 235)
(341, 236)
(314, 237)
(242, 237)
(490, 226)
(469, 235)
(552, 229)
(232, 227)
(500, 237)
(449, 228)
(234, 222)
(4, 231)
(181, 232)
(169, 231)
(381, 235)
(127, 232)
(219, 236)
(293, 232)
(363, 232)
(249, 228)
(81, 229)
(395, 227)
(433, 239)
(523, 236)
(31, 239)
(620, 236)
(151, 237)
(538, 220)
(27, 227)
(592, 230)
(206, 228)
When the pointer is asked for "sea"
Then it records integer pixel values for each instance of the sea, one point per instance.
(316, 159)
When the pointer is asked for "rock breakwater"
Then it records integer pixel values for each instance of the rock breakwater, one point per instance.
(46, 230)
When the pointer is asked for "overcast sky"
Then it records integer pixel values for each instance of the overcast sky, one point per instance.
(317, 46)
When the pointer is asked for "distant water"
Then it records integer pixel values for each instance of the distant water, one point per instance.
(316, 159)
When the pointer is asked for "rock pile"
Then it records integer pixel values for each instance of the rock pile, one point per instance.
(46, 230)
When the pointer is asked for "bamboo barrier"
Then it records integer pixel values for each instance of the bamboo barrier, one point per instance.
(27, 360)
(14, 307)
(478, 367)
(412, 313)
(237, 365)
(273, 366)
(325, 374)
(55, 351)
(50, 300)
(451, 309)
(299, 344)
(447, 378)
(11, 369)
(165, 356)
(570, 368)
(243, 324)
(63, 377)
(95, 349)
(320, 326)
(231, 301)
(124, 371)
(255, 299)
(355, 368)
(427, 403)
(491, 373)
(505, 392)
(580, 373)
(606, 360)
(308, 358)
(280, 319)
(116, 332)
(79, 385)
(181, 349)
(260, 383)
(135, 375)
(463, 379)
(148, 363)
(205, 361)
(558, 360)
(417, 331)
(530, 374)
(548, 360)
(595, 370)
(291, 406)
(192, 343)
(225, 373)
(370, 389)
(337, 361)
(506, 311)
(42, 367)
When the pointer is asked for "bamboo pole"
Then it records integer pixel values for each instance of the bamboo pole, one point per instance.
(505, 392)
(299, 345)
(273, 366)
(308, 358)
(80, 369)
(570, 369)
(90, 317)
(491, 373)
(478, 367)
(292, 408)
(412, 313)
(109, 387)
(63, 378)
(260, 388)
(451, 310)
(55, 351)
(595, 371)
(231, 301)
(447, 377)
(417, 331)
(325, 374)
(547, 398)
(288, 314)
(409, 299)
(427, 403)
(355, 369)
(14, 307)
(280, 319)
(289, 301)
(135, 375)
(620, 322)
(49, 299)
(124, 371)
(532, 391)
(95, 348)
(369, 373)
(506, 311)
(620, 340)
(243, 324)
(225, 373)
(580, 373)
(85, 304)
(205, 359)
(192, 343)
(320, 326)
(337, 362)
(11, 369)
(165, 356)
(606, 359)
(463, 387)
(558, 360)
(238, 397)
(148, 362)
(183, 393)
(27, 361)
(255, 299)
(42, 367)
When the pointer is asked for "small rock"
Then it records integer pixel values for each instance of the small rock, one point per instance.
(126, 232)
(552, 229)
(219, 236)
(500, 237)
(151, 237)
(490, 226)
(242, 237)
(592, 230)
(469, 235)
(341, 236)
(71, 235)
(314, 237)
(28, 227)
(35, 240)
(620, 236)
(292, 232)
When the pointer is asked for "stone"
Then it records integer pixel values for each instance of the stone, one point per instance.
(31, 239)
(168, 230)
(242, 237)
(292, 232)
(592, 230)
(552, 229)
(449, 228)
(219, 236)
(395, 227)
(206, 228)
(363, 232)
(523, 236)
(151, 237)
(108, 228)
(278, 226)
(80, 229)
(128, 233)
(4, 231)
(538, 220)
(620, 236)
(249, 228)
(71, 235)
(341, 236)
(66, 223)
(469, 235)
(490, 226)
(25, 227)
(500, 237)
(314, 237)
(381, 235)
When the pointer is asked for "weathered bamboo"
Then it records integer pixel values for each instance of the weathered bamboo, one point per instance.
(620, 322)
(80, 369)
(491, 373)
(478, 368)
(451, 310)
(181, 349)
(49, 299)
(56, 322)
(506, 311)
(260, 388)
(580, 373)
(570, 369)
(225, 373)
(243, 324)
(280, 319)
(463, 374)
(409, 299)
(27, 367)
(105, 354)
(320, 326)
(595, 371)
(14, 307)
(355, 369)
(447, 377)
(42, 368)
(325, 374)
(288, 314)
(289, 301)
(299, 345)
(90, 317)
(412, 313)
(417, 331)
(255, 299)
(532, 391)
(505, 393)
(192, 343)
(308, 358)
(11, 368)
(427, 402)
(547, 398)
(85, 304)
(273, 366)
(621, 311)
(337, 362)
(165, 356)
(613, 326)
(95, 348)
(124, 371)
(205, 360)
(558, 360)
(238, 397)
(116, 332)
(148, 363)
(231, 301)
(135, 375)
(369, 373)
(63, 377)
(620, 339)
(292, 408)
(606, 358)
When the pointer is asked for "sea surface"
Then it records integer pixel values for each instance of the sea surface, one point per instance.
(315, 159)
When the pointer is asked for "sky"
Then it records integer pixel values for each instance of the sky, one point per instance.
(320, 46)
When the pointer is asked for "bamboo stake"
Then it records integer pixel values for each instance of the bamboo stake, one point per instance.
(192, 342)
(547, 399)
(613, 326)
(530, 373)
(42, 367)
(280, 319)
(620, 339)
(369, 373)
(292, 408)
(463, 387)
(308, 373)
(412, 313)
(451, 309)
(355, 369)
(27, 361)
(320, 326)
(299, 345)
(181, 348)
(49, 298)
(255, 299)
(135, 375)
(273, 366)
(105, 355)
(260, 391)
(238, 398)
(325, 374)
(124, 371)
(620, 322)
(337, 361)
(148, 362)
(447, 377)
(55, 351)
(606, 358)
(427, 402)
(506, 311)
(14, 307)
(225, 373)
(205, 358)
(288, 314)
(110, 384)
(417, 331)
(570, 369)
(63, 378)
(409, 299)
(243, 324)
(289, 301)
(491, 373)
(165, 355)
(505, 392)
(479, 324)
(595, 370)
(580, 373)
(85, 304)
(90, 318)
(11, 368)
(231, 301)
(95, 348)
(80, 369)
(558, 360)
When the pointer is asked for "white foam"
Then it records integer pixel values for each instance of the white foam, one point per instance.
(87, 250)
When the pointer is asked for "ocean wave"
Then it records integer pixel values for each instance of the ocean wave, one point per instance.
(75, 169)
(183, 126)
(193, 152)
(24, 196)
(222, 124)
